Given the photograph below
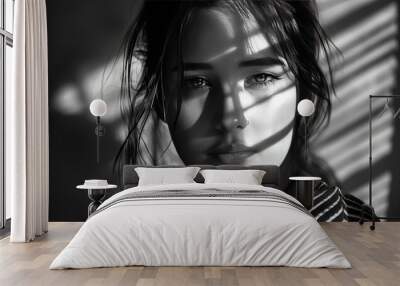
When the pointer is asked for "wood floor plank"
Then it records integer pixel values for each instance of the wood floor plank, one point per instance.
(374, 255)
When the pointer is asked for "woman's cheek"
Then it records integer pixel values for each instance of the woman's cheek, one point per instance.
(193, 104)
(270, 116)
(283, 106)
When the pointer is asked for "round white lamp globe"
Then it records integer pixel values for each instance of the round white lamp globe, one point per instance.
(98, 107)
(305, 108)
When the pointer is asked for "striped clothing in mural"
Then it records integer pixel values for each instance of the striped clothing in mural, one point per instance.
(330, 204)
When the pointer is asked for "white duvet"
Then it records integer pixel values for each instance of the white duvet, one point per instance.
(200, 231)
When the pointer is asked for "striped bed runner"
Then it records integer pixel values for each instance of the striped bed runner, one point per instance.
(205, 194)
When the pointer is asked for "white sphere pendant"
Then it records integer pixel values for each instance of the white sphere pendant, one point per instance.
(305, 108)
(98, 107)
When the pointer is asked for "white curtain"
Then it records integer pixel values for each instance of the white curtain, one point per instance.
(27, 172)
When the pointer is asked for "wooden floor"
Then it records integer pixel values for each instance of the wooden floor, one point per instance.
(375, 257)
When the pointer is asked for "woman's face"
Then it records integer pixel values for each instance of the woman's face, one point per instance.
(238, 97)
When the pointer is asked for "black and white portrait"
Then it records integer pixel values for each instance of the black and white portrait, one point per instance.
(219, 82)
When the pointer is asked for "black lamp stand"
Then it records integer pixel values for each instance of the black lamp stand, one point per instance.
(99, 131)
(305, 140)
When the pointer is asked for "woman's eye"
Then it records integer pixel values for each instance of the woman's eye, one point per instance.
(260, 80)
(197, 82)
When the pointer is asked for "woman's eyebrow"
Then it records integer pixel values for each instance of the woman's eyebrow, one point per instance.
(264, 61)
(194, 66)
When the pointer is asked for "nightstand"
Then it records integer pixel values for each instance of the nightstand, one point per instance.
(305, 190)
(96, 194)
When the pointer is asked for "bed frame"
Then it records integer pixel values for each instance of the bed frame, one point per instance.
(272, 177)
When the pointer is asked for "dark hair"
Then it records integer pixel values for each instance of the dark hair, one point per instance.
(293, 25)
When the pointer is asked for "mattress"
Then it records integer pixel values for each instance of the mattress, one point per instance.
(201, 225)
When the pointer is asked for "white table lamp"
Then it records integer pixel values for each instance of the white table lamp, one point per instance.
(98, 108)
(305, 108)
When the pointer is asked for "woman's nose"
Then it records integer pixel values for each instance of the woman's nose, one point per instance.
(234, 112)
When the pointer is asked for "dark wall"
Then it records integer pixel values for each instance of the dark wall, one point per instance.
(83, 36)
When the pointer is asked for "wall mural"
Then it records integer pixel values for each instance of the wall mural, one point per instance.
(221, 87)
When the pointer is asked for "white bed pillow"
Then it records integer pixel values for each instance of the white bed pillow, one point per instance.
(248, 177)
(163, 176)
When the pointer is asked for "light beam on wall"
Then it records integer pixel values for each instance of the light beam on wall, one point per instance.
(366, 32)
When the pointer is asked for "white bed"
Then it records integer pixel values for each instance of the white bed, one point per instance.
(185, 230)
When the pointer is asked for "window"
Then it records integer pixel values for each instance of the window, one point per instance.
(6, 44)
